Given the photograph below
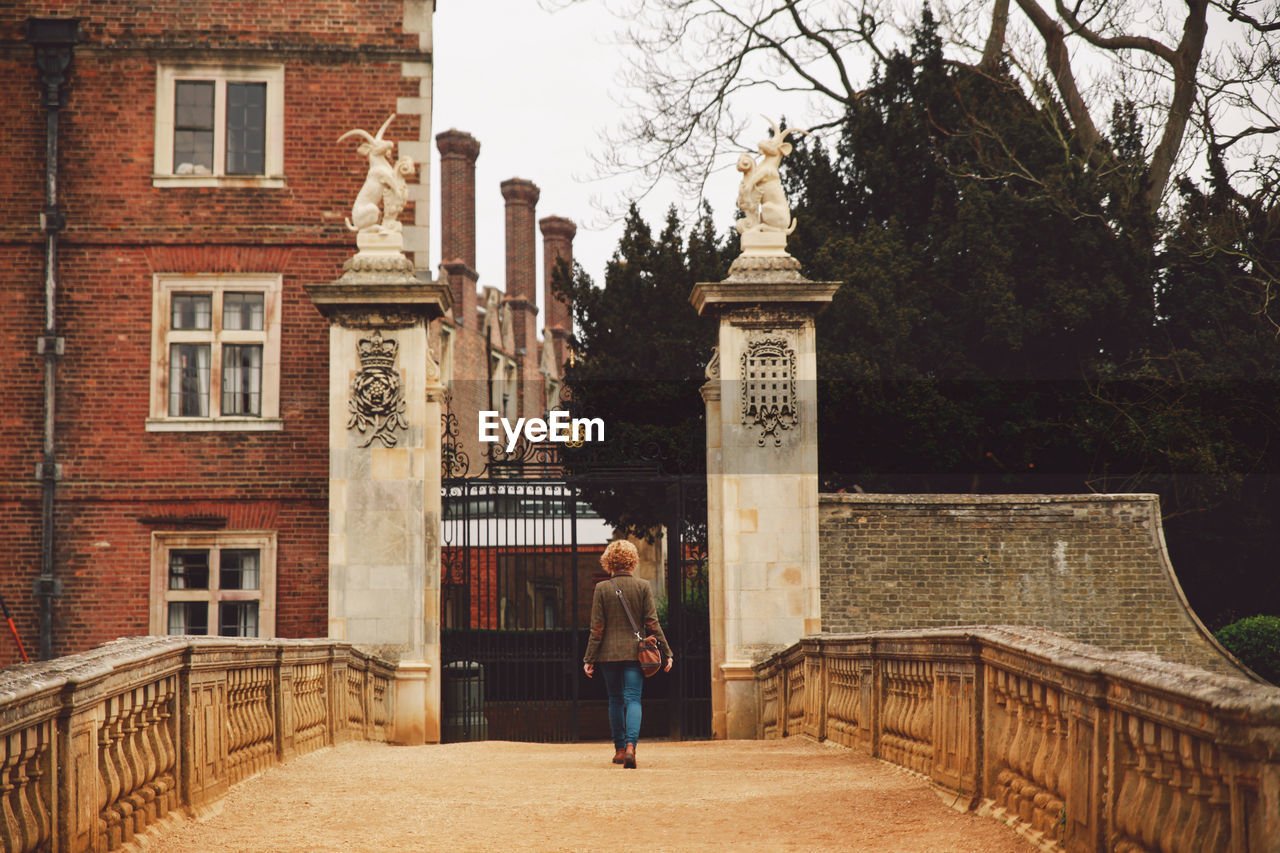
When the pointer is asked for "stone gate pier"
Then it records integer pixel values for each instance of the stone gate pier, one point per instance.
(762, 471)
(384, 445)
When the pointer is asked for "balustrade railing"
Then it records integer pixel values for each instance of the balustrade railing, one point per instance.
(1078, 748)
(97, 747)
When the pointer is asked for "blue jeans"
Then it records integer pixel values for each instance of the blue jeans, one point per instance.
(623, 680)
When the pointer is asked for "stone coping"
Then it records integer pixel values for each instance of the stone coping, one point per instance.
(1222, 694)
(23, 681)
(963, 498)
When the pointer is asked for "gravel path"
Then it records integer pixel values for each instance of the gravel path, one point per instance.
(790, 795)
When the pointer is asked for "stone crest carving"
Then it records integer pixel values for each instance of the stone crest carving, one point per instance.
(377, 393)
(768, 389)
(375, 214)
(766, 219)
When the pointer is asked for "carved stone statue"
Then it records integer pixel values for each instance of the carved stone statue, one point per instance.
(376, 211)
(767, 216)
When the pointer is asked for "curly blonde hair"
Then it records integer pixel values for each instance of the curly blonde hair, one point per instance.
(619, 556)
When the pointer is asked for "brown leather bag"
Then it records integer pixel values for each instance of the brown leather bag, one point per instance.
(648, 653)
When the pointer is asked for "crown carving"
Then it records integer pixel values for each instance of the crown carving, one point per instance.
(376, 353)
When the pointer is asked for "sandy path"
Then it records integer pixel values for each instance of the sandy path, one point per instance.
(790, 795)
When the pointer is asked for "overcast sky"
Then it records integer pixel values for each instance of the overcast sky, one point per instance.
(536, 88)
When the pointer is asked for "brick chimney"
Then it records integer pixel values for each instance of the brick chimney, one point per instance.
(522, 276)
(458, 153)
(557, 242)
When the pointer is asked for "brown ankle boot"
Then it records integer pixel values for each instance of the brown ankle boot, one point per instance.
(618, 756)
(629, 757)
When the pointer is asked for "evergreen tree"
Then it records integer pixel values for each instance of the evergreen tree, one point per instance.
(1014, 318)
(640, 352)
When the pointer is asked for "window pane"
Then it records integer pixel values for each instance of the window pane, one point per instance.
(238, 619)
(189, 381)
(238, 568)
(246, 128)
(189, 568)
(188, 617)
(242, 311)
(242, 379)
(191, 311)
(193, 127)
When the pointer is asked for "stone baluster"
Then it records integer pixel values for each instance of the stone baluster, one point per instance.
(1215, 794)
(264, 745)
(842, 701)
(1016, 724)
(234, 729)
(922, 724)
(109, 824)
(888, 702)
(1175, 801)
(1153, 787)
(134, 756)
(795, 698)
(37, 768)
(999, 735)
(770, 704)
(814, 700)
(12, 831)
(1027, 788)
(124, 764)
(1047, 771)
(151, 749)
(381, 713)
(355, 698)
(1135, 787)
(166, 748)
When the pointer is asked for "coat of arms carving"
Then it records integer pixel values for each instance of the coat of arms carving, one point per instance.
(377, 393)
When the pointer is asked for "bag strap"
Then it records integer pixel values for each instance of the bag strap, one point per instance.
(626, 609)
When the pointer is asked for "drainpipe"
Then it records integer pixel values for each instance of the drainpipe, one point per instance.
(53, 39)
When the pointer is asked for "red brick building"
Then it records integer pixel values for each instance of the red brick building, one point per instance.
(164, 375)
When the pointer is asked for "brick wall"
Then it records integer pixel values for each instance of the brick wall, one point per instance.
(1092, 567)
(344, 67)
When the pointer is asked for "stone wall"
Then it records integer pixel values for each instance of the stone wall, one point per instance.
(1093, 567)
(1076, 747)
(99, 747)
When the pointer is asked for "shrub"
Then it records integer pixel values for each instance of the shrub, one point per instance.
(1256, 641)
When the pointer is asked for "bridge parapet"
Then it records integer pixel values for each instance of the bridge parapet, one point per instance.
(98, 746)
(1078, 748)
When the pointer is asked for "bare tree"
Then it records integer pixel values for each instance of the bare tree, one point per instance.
(695, 64)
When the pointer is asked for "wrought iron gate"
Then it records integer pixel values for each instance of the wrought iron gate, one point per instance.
(520, 556)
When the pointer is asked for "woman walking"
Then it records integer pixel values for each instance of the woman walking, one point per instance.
(613, 645)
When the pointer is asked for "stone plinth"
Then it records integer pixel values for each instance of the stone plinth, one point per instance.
(762, 474)
(384, 475)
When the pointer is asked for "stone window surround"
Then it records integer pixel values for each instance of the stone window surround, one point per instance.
(168, 74)
(447, 337)
(164, 541)
(164, 286)
(503, 383)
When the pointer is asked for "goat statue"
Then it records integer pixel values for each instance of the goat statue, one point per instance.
(385, 191)
(764, 205)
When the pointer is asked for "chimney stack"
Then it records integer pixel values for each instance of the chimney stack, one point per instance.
(458, 153)
(522, 282)
(557, 243)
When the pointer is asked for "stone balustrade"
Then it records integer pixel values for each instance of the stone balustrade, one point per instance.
(1078, 748)
(99, 746)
